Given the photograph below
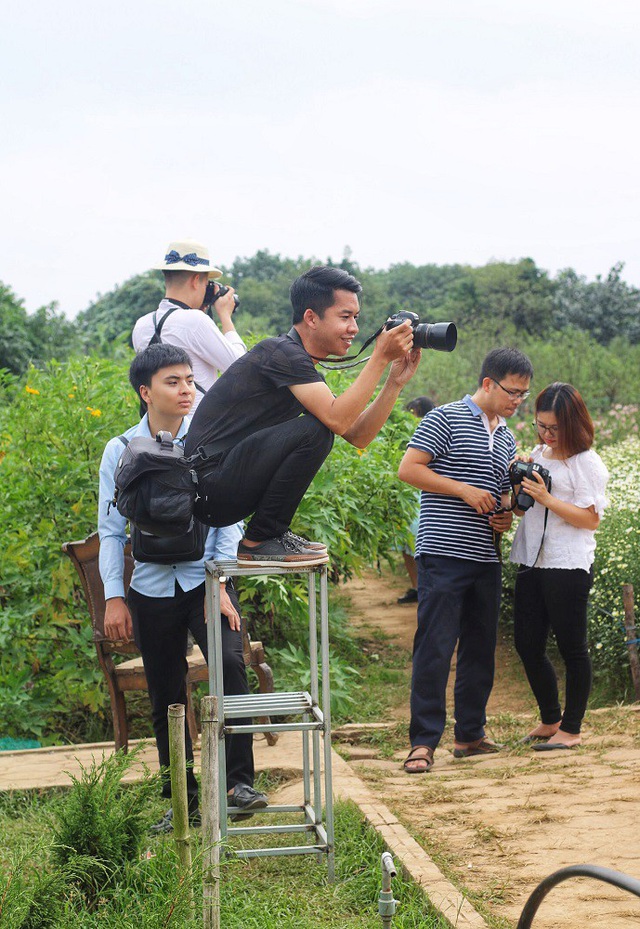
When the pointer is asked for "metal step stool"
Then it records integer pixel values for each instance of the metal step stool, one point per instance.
(311, 712)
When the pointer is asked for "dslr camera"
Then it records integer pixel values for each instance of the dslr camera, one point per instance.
(441, 337)
(210, 296)
(520, 469)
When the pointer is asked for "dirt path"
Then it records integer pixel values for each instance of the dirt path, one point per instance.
(373, 600)
(498, 825)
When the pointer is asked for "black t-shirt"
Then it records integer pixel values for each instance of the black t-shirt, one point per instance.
(253, 393)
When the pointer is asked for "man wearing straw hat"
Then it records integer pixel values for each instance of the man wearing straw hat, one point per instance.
(182, 319)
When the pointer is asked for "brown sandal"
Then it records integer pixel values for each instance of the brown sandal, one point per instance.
(481, 747)
(412, 758)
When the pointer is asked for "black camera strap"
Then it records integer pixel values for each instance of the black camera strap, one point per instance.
(335, 364)
(544, 531)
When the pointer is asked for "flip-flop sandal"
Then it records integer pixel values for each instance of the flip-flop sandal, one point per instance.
(413, 758)
(528, 739)
(552, 746)
(484, 747)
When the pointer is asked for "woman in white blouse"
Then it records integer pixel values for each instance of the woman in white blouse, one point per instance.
(554, 546)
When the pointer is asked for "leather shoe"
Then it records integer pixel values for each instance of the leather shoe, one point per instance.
(411, 596)
(481, 747)
(248, 800)
(165, 824)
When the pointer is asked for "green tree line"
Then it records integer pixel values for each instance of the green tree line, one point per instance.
(57, 414)
(499, 301)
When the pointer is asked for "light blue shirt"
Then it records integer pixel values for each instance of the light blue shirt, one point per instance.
(150, 580)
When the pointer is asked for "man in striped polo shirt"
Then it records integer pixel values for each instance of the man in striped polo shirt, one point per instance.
(459, 458)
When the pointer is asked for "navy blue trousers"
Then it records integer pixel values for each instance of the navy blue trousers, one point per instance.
(458, 602)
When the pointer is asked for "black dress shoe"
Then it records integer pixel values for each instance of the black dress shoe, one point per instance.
(411, 596)
(165, 824)
(248, 800)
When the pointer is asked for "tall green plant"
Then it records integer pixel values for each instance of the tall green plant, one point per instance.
(51, 439)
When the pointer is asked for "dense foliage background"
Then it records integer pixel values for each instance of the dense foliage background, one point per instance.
(64, 393)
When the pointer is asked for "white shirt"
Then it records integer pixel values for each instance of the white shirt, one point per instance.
(487, 425)
(211, 352)
(580, 480)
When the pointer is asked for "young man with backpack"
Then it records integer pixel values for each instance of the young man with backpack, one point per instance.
(181, 318)
(165, 601)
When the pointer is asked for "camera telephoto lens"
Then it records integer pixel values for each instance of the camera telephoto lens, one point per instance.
(441, 337)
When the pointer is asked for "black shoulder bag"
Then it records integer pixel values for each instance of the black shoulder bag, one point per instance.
(156, 489)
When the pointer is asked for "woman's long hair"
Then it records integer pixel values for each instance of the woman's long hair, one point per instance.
(575, 426)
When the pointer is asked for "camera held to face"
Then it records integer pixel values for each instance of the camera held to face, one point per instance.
(210, 295)
(441, 337)
(521, 469)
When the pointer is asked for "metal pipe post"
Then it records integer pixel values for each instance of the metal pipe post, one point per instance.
(216, 683)
(326, 710)
(386, 903)
(315, 695)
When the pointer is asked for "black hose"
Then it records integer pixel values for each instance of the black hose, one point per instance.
(577, 870)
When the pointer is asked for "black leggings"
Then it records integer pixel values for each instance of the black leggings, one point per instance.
(554, 599)
(266, 474)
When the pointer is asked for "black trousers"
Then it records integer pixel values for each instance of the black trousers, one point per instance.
(458, 602)
(160, 627)
(266, 474)
(554, 599)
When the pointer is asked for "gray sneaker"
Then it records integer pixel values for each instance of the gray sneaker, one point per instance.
(285, 551)
(313, 546)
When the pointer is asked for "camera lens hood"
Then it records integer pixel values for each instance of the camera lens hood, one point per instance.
(441, 337)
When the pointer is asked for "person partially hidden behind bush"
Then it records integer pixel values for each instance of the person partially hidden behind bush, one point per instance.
(259, 454)
(165, 601)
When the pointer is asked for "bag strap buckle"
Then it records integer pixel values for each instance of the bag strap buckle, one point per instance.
(165, 439)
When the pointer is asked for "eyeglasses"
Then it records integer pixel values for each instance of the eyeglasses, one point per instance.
(514, 394)
(552, 430)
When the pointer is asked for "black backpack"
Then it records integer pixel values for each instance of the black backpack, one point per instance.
(155, 489)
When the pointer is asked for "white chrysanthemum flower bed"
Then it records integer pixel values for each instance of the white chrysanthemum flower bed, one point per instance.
(617, 563)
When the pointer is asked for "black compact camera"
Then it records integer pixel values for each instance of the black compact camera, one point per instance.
(210, 296)
(441, 337)
(520, 469)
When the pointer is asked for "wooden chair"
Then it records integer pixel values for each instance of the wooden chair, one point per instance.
(129, 674)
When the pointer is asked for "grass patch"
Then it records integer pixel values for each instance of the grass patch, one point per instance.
(92, 879)
(293, 893)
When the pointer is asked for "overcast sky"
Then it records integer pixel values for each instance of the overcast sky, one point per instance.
(458, 131)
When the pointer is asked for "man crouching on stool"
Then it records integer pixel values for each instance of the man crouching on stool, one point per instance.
(266, 426)
(165, 601)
